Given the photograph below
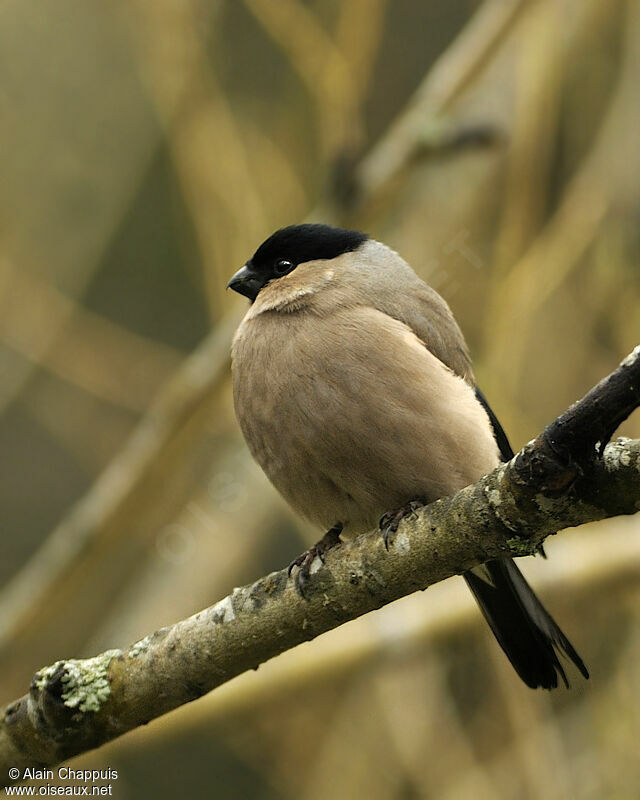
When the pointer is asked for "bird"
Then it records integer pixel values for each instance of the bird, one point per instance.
(354, 390)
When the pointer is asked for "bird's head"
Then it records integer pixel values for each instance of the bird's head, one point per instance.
(289, 247)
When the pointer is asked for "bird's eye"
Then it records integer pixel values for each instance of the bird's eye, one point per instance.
(282, 266)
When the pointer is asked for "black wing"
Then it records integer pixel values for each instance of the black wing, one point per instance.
(525, 630)
(506, 451)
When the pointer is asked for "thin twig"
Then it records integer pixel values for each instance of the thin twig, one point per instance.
(83, 348)
(559, 250)
(445, 82)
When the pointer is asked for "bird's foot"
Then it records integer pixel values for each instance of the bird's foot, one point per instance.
(390, 521)
(304, 561)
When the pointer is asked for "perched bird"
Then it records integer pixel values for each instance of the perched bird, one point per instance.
(353, 388)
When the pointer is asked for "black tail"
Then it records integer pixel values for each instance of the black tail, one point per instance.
(523, 627)
(525, 630)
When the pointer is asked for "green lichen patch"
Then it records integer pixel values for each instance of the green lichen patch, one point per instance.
(44, 675)
(139, 647)
(85, 682)
(521, 547)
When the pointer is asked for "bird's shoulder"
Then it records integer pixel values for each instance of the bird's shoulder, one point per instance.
(383, 280)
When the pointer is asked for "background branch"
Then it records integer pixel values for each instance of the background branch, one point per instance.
(97, 529)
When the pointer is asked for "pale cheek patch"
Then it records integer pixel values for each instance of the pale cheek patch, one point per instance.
(282, 298)
(286, 293)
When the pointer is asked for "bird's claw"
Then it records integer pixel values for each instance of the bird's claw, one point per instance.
(390, 521)
(304, 561)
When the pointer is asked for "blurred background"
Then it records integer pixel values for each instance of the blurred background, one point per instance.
(146, 148)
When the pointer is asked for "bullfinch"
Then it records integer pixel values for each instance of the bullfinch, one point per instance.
(354, 390)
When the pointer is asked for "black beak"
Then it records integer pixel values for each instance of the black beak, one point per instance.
(247, 282)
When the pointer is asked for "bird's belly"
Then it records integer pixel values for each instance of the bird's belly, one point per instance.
(305, 474)
(331, 458)
(346, 431)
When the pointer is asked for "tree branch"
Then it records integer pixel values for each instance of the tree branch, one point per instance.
(422, 124)
(565, 477)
